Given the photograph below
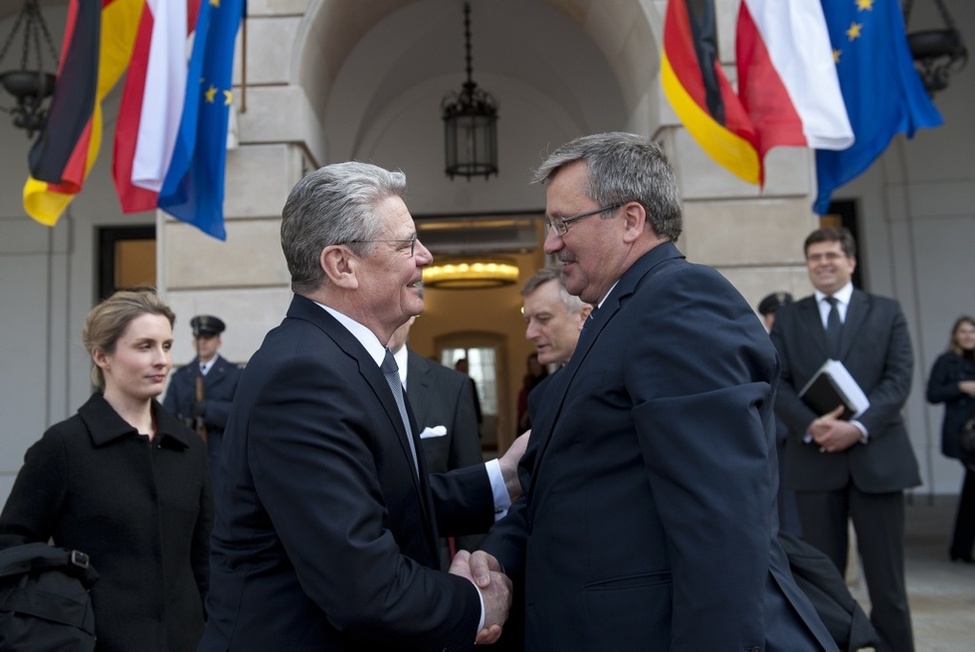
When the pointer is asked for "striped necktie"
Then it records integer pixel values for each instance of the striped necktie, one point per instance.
(391, 371)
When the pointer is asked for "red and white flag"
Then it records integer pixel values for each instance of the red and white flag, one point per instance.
(152, 102)
(787, 77)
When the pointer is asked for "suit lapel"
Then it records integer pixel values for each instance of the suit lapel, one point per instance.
(418, 385)
(215, 376)
(856, 313)
(307, 310)
(641, 271)
(809, 315)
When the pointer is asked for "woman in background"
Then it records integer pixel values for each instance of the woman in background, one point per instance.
(952, 382)
(126, 483)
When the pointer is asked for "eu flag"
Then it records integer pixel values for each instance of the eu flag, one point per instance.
(194, 186)
(883, 93)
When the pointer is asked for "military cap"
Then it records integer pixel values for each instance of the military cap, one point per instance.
(206, 325)
(771, 303)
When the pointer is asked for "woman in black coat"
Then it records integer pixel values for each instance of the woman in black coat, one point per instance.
(952, 382)
(126, 483)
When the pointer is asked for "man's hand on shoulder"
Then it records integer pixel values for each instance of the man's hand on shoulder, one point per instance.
(509, 464)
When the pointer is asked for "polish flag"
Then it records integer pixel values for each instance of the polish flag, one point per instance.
(787, 78)
(152, 102)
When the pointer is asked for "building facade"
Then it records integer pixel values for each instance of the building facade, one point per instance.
(321, 81)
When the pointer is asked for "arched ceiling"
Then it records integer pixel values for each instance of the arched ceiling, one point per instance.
(376, 72)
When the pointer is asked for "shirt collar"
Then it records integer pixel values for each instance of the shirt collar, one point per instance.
(843, 295)
(366, 337)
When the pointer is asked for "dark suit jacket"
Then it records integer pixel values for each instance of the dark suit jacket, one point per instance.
(325, 535)
(442, 397)
(876, 349)
(219, 386)
(648, 518)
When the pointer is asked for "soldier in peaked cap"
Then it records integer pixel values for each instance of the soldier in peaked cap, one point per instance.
(771, 303)
(201, 392)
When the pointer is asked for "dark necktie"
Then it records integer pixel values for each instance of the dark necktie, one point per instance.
(834, 328)
(391, 370)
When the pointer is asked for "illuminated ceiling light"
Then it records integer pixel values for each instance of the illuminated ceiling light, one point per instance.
(470, 273)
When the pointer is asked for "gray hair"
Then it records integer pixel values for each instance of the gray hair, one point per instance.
(622, 168)
(333, 205)
(572, 303)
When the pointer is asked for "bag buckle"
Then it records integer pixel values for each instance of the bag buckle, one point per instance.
(79, 559)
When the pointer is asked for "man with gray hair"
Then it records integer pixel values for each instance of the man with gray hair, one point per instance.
(648, 518)
(553, 317)
(327, 528)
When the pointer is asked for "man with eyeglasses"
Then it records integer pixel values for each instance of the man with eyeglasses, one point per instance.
(327, 528)
(850, 468)
(648, 519)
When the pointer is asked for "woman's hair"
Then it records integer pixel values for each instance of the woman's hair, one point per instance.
(108, 320)
(952, 343)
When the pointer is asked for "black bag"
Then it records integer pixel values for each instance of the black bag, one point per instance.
(818, 578)
(44, 601)
(968, 435)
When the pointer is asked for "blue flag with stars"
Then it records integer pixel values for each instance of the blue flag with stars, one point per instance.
(193, 190)
(883, 93)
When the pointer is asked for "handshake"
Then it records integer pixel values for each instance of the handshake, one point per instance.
(494, 586)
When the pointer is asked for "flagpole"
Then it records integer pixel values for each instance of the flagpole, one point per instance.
(243, 65)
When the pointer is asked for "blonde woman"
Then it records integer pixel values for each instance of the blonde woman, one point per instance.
(126, 483)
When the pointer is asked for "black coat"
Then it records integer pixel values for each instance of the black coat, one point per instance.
(142, 513)
(948, 369)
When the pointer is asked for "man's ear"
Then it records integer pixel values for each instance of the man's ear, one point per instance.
(635, 221)
(341, 266)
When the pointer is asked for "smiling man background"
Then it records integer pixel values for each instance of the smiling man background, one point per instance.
(855, 469)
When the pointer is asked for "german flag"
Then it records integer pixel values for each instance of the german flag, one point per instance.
(700, 93)
(98, 41)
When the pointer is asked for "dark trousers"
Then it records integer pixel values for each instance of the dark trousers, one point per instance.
(878, 520)
(963, 537)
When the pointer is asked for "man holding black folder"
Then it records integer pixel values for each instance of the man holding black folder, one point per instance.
(842, 465)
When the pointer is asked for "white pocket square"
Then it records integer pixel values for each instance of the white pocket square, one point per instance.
(436, 431)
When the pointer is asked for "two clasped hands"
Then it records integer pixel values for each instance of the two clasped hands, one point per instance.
(832, 434)
(495, 587)
(485, 570)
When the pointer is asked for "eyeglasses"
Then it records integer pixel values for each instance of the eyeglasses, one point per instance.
(411, 240)
(561, 224)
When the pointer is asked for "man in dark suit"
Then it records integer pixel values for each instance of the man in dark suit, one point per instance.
(855, 468)
(443, 405)
(327, 523)
(648, 519)
(200, 393)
